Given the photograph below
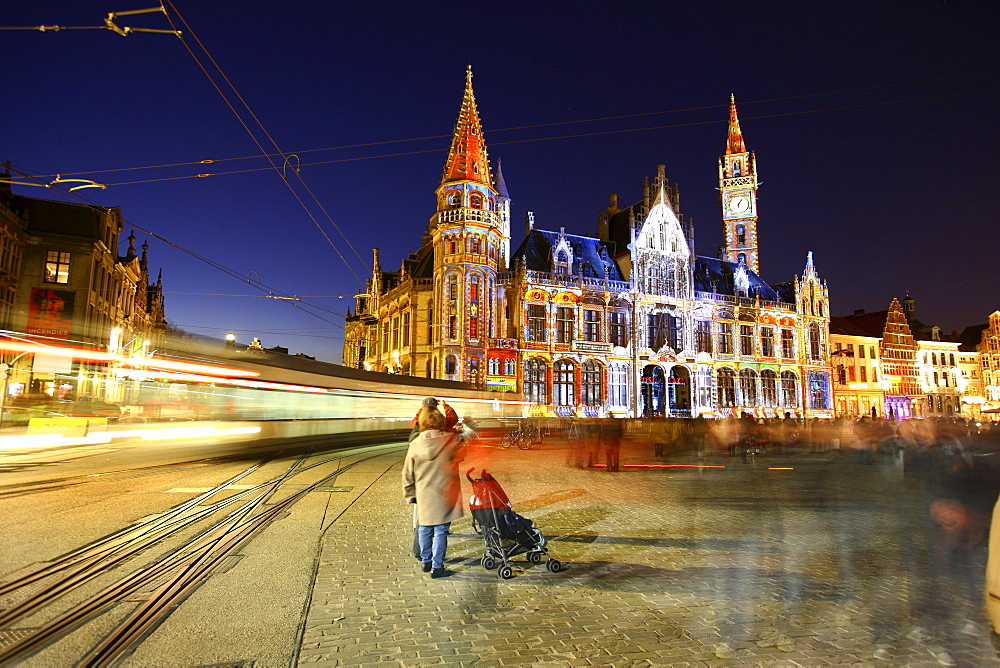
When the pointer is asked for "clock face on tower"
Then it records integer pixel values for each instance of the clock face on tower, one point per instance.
(739, 204)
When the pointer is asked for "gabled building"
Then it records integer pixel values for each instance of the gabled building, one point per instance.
(630, 322)
(61, 277)
(854, 356)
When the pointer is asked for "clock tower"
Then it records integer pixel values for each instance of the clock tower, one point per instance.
(738, 195)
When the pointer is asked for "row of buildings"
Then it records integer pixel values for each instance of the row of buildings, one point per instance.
(62, 279)
(632, 321)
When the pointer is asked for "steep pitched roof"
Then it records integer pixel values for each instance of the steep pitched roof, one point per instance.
(719, 276)
(846, 326)
(467, 159)
(501, 185)
(588, 259)
(734, 141)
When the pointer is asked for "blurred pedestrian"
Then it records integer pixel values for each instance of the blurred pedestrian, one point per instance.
(611, 439)
(431, 480)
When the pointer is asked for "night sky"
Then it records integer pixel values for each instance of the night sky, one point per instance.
(873, 123)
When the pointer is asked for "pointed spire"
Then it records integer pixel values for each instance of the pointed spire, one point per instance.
(734, 144)
(500, 185)
(467, 159)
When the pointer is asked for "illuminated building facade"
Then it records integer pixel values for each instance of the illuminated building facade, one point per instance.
(630, 322)
(989, 358)
(62, 278)
(857, 389)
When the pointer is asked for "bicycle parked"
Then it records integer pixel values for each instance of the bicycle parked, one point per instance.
(523, 437)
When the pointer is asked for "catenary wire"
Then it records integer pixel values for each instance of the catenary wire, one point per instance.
(553, 138)
(254, 137)
(552, 124)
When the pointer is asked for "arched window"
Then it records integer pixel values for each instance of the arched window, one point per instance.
(591, 384)
(727, 388)
(493, 204)
(475, 375)
(563, 387)
(534, 381)
(741, 258)
(768, 388)
(741, 234)
(748, 387)
(455, 198)
(788, 390)
(494, 366)
(737, 168)
(476, 200)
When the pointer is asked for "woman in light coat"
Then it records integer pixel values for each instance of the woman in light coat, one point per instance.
(431, 480)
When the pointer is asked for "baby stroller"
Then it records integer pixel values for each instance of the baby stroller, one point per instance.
(505, 533)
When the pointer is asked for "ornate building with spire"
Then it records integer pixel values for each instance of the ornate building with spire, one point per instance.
(630, 322)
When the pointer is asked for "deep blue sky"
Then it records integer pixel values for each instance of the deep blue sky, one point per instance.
(874, 125)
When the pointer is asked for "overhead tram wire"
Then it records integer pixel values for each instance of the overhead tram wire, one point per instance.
(266, 133)
(212, 263)
(743, 104)
(571, 136)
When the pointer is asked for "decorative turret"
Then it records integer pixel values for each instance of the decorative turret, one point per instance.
(734, 143)
(467, 159)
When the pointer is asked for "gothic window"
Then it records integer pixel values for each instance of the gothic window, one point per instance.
(737, 168)
(769, 387)
(725, 338)
(493, 366)
(591, 325)
(534, 381)
(476, 200)
(727, 387)
(617, 387)
(562, 263)
(564, 324)
(767, 341)
(746, 340)
(493, 204)
(563, 389)
(814, 342)
(703, 336)
(741, 235)
(536, 322)
(675, 332)
(656, 330)
(57, 267)
(475, 377)
(788, 390)
(741, 258)
(591, 384)
(818, 393)
(787, 344)
(619, 329)
(454, 198)
(748, 387)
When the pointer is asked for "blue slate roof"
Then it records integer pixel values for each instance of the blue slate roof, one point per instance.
(715, 275)
(590, 256)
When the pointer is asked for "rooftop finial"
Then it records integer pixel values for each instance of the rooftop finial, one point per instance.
(734, 143)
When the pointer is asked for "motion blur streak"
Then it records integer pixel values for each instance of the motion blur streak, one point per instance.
(97, 438)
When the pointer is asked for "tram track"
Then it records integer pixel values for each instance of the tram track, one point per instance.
(172, 576)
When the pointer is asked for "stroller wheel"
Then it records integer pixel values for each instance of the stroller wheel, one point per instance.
(505, 572)
(535, 557)
(489, 563)
(553, 565)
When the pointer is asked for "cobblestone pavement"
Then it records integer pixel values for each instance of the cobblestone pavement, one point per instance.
(830, 563)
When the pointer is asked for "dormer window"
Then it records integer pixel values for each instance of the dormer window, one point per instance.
(562, 263)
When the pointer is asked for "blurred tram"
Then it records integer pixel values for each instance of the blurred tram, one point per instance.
(291, 395)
